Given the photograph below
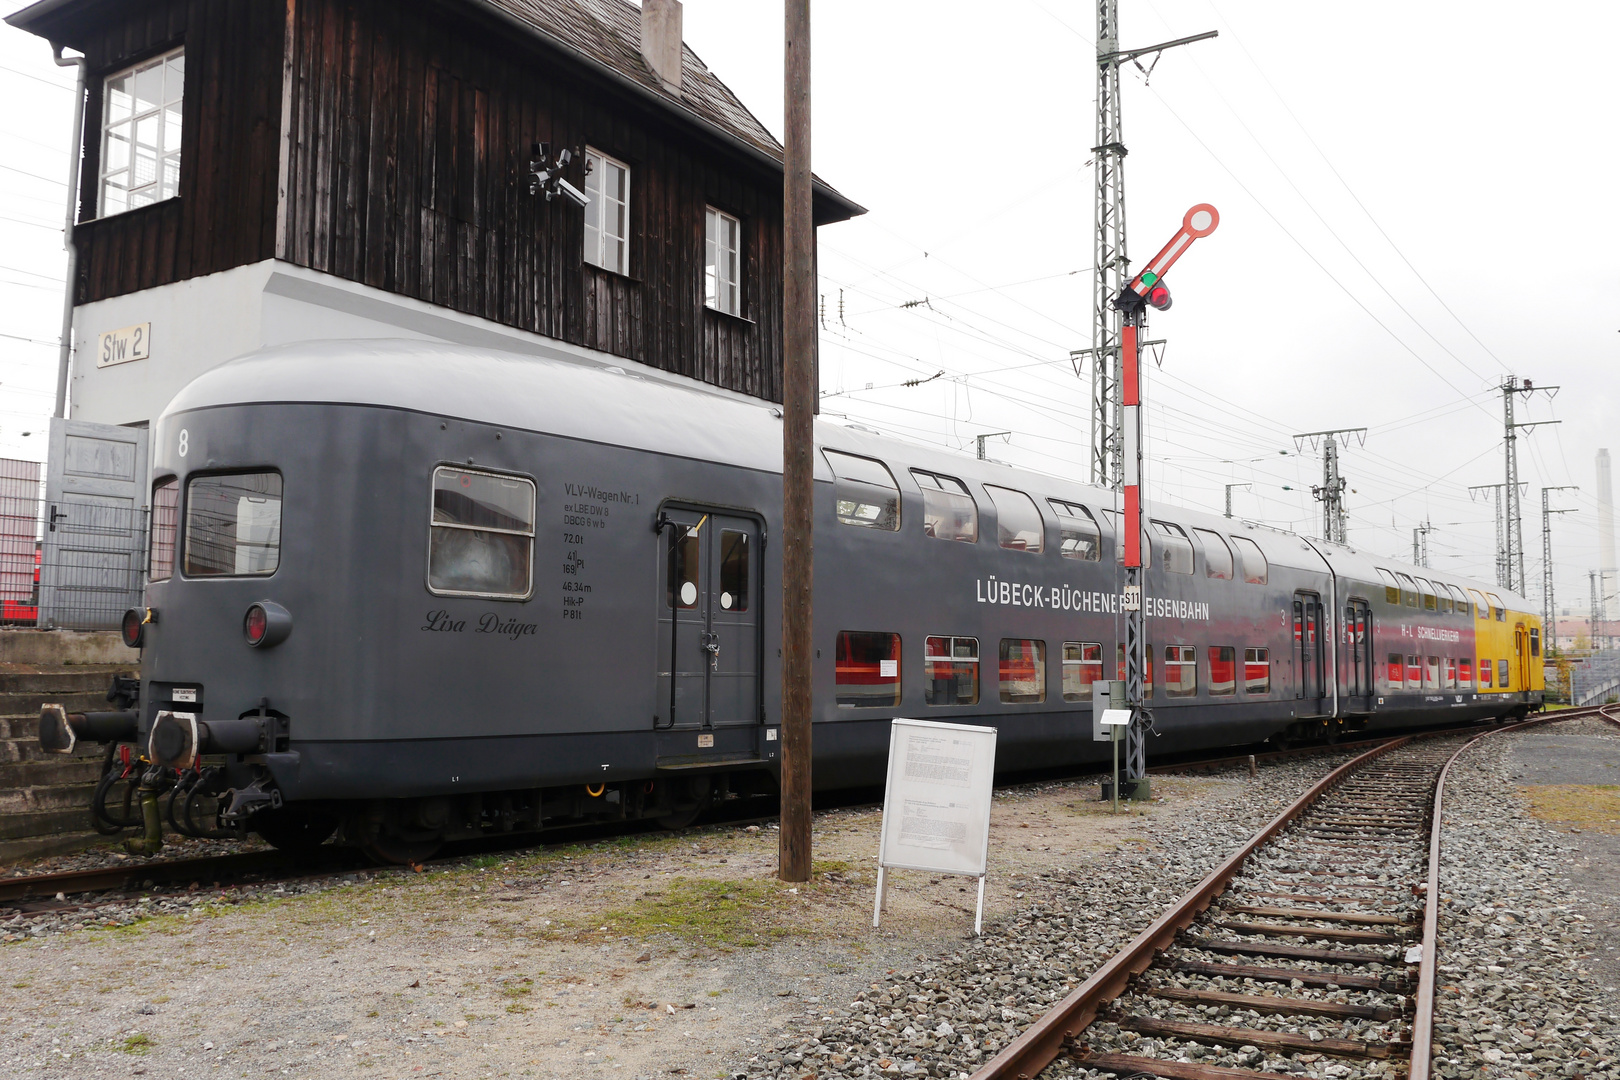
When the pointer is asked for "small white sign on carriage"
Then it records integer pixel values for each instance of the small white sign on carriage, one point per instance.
(936, 803)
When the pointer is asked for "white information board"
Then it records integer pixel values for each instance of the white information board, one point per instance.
(936, 803)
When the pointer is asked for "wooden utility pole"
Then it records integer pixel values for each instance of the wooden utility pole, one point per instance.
(798, 446)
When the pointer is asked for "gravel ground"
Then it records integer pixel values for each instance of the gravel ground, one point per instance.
(668, 955)
(1517, 993)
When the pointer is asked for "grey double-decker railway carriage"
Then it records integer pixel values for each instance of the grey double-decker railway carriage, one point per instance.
(443, 589)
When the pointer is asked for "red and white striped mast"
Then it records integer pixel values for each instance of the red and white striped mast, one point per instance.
(1132, 303)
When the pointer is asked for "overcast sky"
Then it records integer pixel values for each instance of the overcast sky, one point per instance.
(1415, 201)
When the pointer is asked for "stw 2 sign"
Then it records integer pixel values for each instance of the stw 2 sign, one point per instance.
(126, 344)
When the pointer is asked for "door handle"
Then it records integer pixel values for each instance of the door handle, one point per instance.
(711, 645)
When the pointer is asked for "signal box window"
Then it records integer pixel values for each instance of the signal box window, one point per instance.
(1023, 671)
(1175, 551)
(949, 512)
(1257, 671)
(1498, 609)
(1217, 556)
(1465, 673)
(865, 493)
(165, 521)
(1018, 523)
(722, 261)
(483, 534)
(951, 670)
(1147, 667)
(1078, 534)
(233, 525)
(1180, 671)
(733, 570)
(1397, 671)
(868, 669)
(1253, 560)
(607, 215)
(140, 133)
(1082, 666)
(1222, 671)
(1392, 590)
(1409, 591)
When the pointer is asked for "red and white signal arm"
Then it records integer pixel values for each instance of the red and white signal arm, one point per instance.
(1201, 220)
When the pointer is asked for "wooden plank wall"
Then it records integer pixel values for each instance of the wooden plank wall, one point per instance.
(225, 212)
(410, 141)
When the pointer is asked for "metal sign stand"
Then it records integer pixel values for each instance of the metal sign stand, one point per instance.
(1117, 721)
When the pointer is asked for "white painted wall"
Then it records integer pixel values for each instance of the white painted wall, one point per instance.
(202, 322)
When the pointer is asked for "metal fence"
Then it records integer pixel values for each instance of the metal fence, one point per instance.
(1596, 679)
(72, 564)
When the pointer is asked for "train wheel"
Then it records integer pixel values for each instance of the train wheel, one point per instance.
(697, 797)
(293, 829)
(381, 844)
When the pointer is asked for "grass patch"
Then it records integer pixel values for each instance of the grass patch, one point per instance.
(701, 909)
(1587, 806)
(139, 1043)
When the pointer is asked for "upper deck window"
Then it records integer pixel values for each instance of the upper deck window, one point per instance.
(722, 261)
(1427, 589)
(1255, 569)
(1392, 591)
(1175, 549)
(1079, 536)
(865, 494)
(1018, 523)
(1409, 590)
(1217, 556)
(165, 522)
(1498, 608)
(482, 534)
(140, 133)
(607, 215)
(233, 525)
(949, 512)
(1459, 601)
(1481, 608)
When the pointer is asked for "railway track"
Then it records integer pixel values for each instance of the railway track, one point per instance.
(37, 892)
(1316, 939)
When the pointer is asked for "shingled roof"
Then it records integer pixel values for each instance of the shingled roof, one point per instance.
(607, 33)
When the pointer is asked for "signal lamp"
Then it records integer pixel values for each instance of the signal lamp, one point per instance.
(266, 624)
(1159, 297)
(133, 627)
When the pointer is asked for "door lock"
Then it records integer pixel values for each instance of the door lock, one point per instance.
(711, 645)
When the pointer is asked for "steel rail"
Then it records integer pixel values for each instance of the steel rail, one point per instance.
(1041, 1043)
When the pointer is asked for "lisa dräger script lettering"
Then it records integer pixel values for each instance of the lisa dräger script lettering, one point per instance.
(439, 621)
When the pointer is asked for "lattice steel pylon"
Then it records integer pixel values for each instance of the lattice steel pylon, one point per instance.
(1110, 258)
(1512, 523)
(1549, 613)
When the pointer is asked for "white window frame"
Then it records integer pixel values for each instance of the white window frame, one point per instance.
(604, 248)
(722, 262)
(161, 122)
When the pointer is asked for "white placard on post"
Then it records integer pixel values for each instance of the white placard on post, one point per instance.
(936, 803)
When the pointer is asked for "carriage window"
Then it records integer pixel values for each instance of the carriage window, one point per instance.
(1082, 666)
(1114, 517)
(866, 493)
(1254, 560)
(1535, 641)
(1414, 671)
(1465, 673)
(165, 519)
(1459, 600)
(1023, 671)
(1175, 549)
(1501, 674)
(1397, 669)
(1222, 671)
(1497, 607)
(1481, 608)
(1392, 590)
(1451, 674)
(1018, 523)
(733, 570)
(682, 581)
(951, 670)
(1431, 673)
(1078, 535)
(1180, 671)
(1257, 671)
(1428, 595)
(948, 510)
(482, 534)
(1409, 593)
(868, 669)
(1217, 556)
(233, 525)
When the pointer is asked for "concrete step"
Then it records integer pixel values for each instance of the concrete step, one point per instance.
(19, 775)
(27, 748)
(45, 823)
(28, 702)
(79, 678)
(38, 800)
(65, 647)
(37, 847)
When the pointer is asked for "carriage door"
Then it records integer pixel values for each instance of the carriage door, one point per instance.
(708, 625)
(1521, 657)
(1308, 651)
(1358, 643)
